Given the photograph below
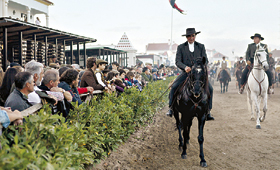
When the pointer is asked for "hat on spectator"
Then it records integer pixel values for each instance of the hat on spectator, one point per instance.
(148, 64)
(126, 70)
(115, 71)
(100, 61)
(53, 65)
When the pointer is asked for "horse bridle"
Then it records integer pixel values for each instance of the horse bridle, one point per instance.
(192, 83)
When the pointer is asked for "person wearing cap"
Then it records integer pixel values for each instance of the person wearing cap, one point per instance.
(149, 66)
(250, 53)
(187, 52)
(223, 66)
(241, 64)
(100, 66)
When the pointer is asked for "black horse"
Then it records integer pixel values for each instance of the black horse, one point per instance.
(224, 80)
(191, 101)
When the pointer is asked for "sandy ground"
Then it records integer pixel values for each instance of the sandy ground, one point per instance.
(230, 142)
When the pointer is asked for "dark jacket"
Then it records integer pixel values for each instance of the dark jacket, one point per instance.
(89, 79)
(250, 53)
(61, 107)
(147, 77)
(73, 91)
(17, 101)
(184, 57)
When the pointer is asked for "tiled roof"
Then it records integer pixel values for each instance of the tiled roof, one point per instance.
(160, 47)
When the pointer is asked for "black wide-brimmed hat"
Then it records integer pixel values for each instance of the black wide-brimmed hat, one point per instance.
(190, 31)
(257, 35)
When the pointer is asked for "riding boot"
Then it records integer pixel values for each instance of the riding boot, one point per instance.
(209, 117)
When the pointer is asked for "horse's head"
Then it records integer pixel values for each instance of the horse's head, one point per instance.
(260, 58)
(198, 77)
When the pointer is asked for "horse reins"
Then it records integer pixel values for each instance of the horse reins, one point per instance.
(259, 82)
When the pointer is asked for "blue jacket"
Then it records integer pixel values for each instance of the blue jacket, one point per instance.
(74, 92)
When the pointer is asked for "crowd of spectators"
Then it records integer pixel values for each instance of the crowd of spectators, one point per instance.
(23, 87)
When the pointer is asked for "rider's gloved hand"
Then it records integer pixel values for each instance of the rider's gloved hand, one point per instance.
(248, 62)
(187, 69)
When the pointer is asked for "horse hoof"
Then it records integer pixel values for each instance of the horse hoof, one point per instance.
(180, 148)
(203, 164)
(252, 118)
(258, 127)
(184, 156)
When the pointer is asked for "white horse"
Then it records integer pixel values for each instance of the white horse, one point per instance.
(257, 86)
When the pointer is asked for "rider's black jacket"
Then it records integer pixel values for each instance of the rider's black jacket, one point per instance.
(185, 58)
(250, 53)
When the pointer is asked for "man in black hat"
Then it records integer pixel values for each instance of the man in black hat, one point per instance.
(251, 50)
(186, 53)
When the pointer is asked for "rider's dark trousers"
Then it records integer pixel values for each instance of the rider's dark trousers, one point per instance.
(245, 75)
(180, 79)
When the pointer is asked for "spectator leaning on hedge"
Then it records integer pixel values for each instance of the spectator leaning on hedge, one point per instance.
(88, 78)
(18, 99)
(36, 69)
(7, 116)
(50, 85)
(146, 74)
(8, 81)
(69, 82)
(100, 66)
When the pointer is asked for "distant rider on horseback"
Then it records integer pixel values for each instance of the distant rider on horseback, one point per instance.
(187, 53)
(223, 66)
(250, 61)
(240, 64)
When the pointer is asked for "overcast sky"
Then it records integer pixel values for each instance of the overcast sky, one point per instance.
(225, 25)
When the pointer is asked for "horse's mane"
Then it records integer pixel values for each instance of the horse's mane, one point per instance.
(202, 62)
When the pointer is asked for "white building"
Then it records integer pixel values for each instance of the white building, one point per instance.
(25, 10)
(125, 45)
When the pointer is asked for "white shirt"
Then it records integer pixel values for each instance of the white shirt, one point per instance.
(33, 97)
(191, 47)
(224, 61)
(99, 79)
(37, 22)
(259, 44)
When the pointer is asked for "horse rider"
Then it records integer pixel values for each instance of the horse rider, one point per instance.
(240, 64)
(250, 53)
(186, 54)
(223, 66)
(271, 63)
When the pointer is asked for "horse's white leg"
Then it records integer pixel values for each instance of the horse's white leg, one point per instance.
(264, 107)
(250, 104)
(257, 106)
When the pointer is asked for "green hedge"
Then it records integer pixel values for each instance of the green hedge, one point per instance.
(46, 141)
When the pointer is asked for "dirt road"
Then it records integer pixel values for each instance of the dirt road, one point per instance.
(230, 142)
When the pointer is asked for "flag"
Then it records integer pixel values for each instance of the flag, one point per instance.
(174, 5)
